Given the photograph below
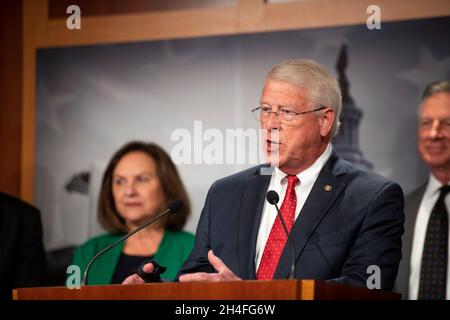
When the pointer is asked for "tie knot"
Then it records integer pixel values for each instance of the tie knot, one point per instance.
(444, 190)
(292, 181)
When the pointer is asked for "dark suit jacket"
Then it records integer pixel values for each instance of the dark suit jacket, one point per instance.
(411, 209)
(337, 235)
(22, 256)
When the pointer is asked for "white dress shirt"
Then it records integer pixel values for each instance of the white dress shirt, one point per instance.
(429, 199)
(278, 183)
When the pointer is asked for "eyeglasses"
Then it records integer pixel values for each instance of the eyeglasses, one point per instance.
(262, 113)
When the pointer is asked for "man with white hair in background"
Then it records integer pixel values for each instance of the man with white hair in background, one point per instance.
(424, 272)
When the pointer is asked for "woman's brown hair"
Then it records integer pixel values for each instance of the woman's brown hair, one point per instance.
(169, 178)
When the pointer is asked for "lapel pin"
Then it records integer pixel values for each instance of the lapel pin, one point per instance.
(328, 188)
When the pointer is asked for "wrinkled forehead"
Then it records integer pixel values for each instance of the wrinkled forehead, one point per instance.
(134, 163)
(436, 106)
(281, 93)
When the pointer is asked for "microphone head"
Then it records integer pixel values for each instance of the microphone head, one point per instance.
(272, 197)
(175, 206)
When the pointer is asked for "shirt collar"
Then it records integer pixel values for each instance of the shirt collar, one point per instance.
(433, 185)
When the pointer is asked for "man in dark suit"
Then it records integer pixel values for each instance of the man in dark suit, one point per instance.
(423, 272)
(22, 255)
(341, 221)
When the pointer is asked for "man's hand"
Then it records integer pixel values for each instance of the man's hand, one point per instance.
(135, 279)
(223, 272)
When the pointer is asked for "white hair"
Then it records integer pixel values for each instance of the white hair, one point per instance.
(433, 89)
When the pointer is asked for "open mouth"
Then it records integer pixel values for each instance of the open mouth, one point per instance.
(270, 142)
(273, 147)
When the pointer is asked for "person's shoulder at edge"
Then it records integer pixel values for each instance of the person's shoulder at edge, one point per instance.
(7, 201)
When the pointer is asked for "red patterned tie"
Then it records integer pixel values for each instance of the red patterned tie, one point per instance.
(277, 237)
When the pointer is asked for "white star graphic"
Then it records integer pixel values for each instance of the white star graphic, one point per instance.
(428, 70)
(48, 106)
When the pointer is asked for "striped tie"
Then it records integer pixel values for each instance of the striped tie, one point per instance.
(277, 237)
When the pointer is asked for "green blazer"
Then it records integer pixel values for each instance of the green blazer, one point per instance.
(173, 250)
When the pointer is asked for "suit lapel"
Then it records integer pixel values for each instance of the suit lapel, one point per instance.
(316, 207)
(411, 209)
(249, 219)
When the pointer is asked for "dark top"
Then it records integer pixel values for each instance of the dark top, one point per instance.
(22, 255)
(127, 265)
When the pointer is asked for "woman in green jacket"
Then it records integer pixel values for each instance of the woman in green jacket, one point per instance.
(139, 181)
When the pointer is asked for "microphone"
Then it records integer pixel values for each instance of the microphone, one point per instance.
(173, 207)
(273, 198)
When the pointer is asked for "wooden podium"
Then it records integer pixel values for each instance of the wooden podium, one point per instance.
(233, 290)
